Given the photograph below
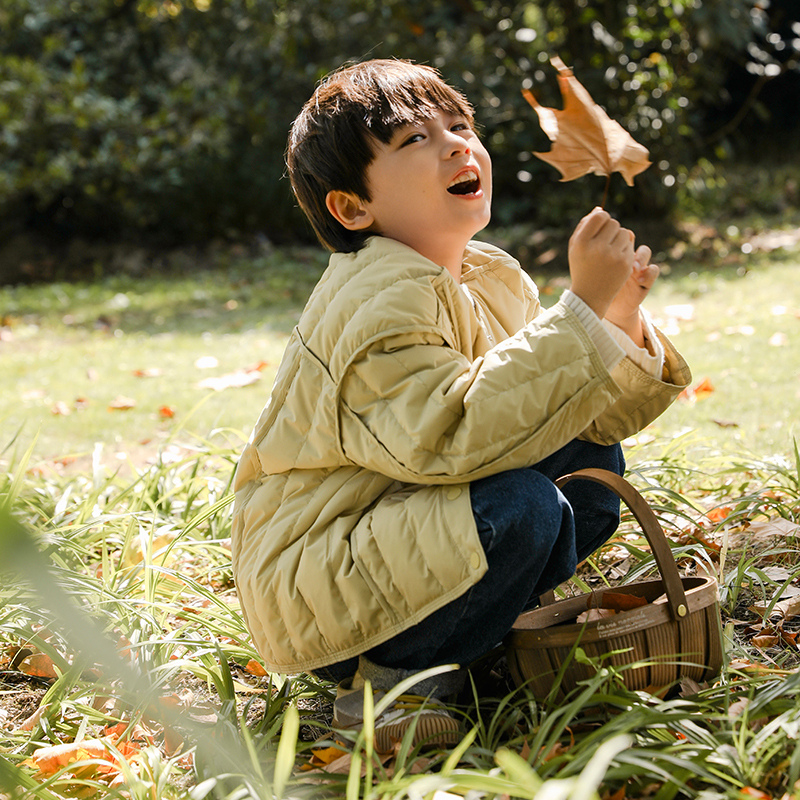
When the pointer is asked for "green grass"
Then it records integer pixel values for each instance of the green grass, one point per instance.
(78, 348)
(120, 578)
(124, 584)
(70, 351)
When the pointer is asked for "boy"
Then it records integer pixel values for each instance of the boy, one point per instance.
(395, 506)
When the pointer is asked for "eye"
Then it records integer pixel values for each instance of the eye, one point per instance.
(461, 125)
(414, 137)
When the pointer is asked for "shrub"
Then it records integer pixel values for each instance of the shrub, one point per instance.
(168, 118)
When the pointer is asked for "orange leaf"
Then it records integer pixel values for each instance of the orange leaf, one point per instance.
(719, 514)
(699, 392)
(584, 138)
(254, 668)
(323, 756)
(621, 602)
(38, 665)
(166, 412)
(48, 760)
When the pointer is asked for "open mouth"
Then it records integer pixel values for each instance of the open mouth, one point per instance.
(467, 182)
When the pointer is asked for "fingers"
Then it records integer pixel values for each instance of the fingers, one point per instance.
(644, 273)
(643, 255)
(600, 226)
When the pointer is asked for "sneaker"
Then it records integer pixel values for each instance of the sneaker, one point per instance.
(434, 725)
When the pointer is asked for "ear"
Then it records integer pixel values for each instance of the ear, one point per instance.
(349, 210)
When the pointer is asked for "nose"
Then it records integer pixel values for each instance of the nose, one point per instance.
(457, 145)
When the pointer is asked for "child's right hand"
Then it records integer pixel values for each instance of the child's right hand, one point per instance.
(600, 259)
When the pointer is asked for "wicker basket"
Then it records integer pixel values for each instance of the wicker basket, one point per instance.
(676, 635)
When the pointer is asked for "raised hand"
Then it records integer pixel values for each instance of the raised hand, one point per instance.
(601, 259)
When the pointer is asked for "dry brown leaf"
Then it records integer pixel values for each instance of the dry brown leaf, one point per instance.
(33, 720)
(584, 138)
(738, 707)
(775, 527)
(786, 607)
(594, 614)
(38, 665)
(765, 640)
(619, 601)
(122, 403)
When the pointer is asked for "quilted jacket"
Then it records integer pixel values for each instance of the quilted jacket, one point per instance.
(352, 518)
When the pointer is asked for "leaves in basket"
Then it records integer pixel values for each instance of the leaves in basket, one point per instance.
(584, 138)
(617, 601)
(611, 603)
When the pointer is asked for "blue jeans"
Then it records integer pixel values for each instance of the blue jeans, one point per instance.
(533, 535)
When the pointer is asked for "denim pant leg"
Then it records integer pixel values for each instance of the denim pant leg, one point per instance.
(595, 509)
(533, 538)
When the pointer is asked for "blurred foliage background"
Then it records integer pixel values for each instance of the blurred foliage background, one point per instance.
(163, 122)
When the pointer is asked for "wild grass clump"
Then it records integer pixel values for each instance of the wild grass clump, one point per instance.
(120, 630)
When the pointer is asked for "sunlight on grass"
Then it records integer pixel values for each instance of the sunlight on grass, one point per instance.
(132, 669)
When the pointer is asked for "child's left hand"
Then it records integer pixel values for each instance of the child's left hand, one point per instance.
(624, 309)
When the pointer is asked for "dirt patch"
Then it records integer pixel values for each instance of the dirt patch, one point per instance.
(20, 697)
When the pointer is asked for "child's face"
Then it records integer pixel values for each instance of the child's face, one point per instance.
(431, 187)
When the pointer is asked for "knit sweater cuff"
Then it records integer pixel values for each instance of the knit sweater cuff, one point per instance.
(610, 350)
(650, 358)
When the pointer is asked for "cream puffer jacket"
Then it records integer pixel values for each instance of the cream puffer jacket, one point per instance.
(352, 515)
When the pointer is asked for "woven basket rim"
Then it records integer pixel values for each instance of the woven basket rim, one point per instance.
(541, 627)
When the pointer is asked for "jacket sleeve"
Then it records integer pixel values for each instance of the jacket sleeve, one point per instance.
(417, 410)
(643, 397)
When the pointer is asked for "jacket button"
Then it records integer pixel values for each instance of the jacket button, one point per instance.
(474, 560)
(453, 492)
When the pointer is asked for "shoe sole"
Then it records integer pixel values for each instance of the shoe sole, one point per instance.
(434, 730)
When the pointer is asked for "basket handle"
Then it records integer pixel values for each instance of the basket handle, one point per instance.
(676, 597)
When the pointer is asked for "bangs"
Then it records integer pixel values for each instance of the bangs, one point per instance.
(407, 95)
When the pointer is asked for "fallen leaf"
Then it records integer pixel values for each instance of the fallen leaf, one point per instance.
(618, 601)
(255, 668)
(166, 412)
(778, 527)
(786, 608)
(60, 409)
(594, 614)
(233, 380)
(584, 138)
(33, 720)
(698, 392)
(121, 403)
(738, 707)
(38, 665)
(48, 760)
(719, 514)
(148, 372)
(765, 640)
(325, 756)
